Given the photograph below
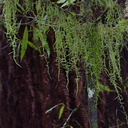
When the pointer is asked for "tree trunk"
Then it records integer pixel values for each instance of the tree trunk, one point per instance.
(29, 93)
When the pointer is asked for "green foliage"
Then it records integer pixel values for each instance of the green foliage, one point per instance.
(65, 2)
(45, 43)
(24, 43)
(28, 6)
(90, 42)
(9, 12)
(33, 46)
(104, 88)
(61, 111)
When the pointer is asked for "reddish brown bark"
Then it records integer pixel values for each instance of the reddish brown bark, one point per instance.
(27, 93)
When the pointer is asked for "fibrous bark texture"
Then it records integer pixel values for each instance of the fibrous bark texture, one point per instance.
(27, 92)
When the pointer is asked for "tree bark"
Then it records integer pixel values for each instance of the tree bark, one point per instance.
(27, 92)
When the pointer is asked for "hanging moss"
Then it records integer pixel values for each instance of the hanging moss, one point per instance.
(77, 41)
(9, 12)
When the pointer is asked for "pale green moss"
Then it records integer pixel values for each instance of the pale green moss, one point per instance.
(76, 41)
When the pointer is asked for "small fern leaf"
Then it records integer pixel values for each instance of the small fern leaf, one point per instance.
(24, 43)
